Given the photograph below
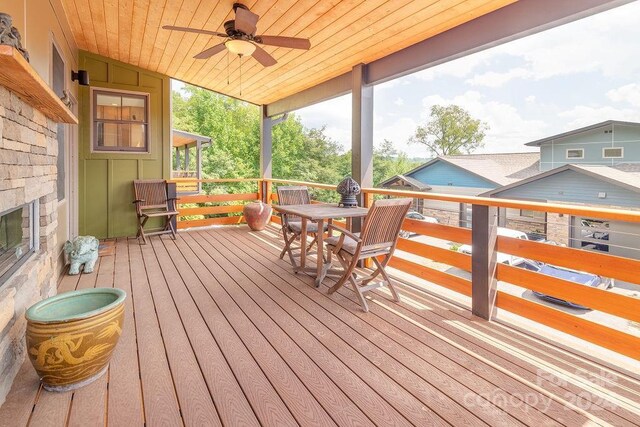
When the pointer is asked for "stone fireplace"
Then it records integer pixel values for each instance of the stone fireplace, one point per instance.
(28, 172)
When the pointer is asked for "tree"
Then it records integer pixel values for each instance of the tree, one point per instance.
(451, 130)
(388, 162)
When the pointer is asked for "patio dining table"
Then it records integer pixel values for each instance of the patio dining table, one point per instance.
(319, 213)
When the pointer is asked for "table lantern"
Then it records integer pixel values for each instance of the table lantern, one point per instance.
(348, 190)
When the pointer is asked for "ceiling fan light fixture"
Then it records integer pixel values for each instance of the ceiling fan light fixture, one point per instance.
(240, 47)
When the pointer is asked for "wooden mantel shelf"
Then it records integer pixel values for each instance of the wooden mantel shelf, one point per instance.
(17, 75)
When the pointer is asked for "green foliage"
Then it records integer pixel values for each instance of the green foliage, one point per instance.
(388, 162)
(451, 130)
(298, 153)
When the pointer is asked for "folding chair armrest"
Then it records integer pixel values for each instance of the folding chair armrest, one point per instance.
(138, 201)
(344, 232)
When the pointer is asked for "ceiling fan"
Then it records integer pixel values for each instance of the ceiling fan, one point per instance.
(242, 40)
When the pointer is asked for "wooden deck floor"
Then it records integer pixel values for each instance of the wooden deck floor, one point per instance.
(219, 331)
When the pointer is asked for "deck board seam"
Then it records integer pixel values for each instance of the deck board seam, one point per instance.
(391, 380)
(408, 368)
(312, 360)
(231, 325)
(561, 403)
(268, 341)
(414, 338)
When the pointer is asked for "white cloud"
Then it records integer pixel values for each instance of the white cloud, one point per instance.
(494, 79)
(530, 99)
(399, 102)
(628, 93)
(602, 43)
(508, 130)
(335, 114)
(583, 115)
(398, 131)
(460, 68)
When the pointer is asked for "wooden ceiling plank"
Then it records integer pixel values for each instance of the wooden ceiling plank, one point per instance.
(447, 25)
(86, 23)
(138, 25)
(199, 19)
(454, 15)
(161, 43)
(112, 24)
(173, 42)
(293, 23)
(364, 27)
(265, 25)
(220, 14)
(319, 31)
(70, 10)
(125, 22)
(401, 38)
(151, 28)
(198, 66)
(99, 27)
(327, 61)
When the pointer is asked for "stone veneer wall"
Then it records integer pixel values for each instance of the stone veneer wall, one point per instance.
(28, 151)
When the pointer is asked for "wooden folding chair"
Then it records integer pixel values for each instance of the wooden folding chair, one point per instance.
(379, 238)
(292, 224)
(151, 201)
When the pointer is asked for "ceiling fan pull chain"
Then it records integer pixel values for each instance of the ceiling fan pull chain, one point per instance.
(228, 68)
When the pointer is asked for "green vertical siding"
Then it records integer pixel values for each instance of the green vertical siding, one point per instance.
(105, 179)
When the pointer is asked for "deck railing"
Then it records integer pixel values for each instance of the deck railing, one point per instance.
(485, 271)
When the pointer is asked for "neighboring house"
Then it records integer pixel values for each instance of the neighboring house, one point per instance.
(468, 175)
(608, 143)
(585, 185)
(593, 165)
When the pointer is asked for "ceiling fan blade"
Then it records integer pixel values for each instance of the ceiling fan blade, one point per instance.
(208, 53)
(263, 57)
(246, 21)
(193, 30)
(292, 42)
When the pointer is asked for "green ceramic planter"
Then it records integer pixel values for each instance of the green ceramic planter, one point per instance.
(71, 336)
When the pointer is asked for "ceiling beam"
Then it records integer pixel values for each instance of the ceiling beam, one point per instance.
(324, 91)
(520, 19)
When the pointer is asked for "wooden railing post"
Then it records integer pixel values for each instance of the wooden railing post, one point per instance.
(483, 260)
(268, 192)
(367, 201)
(172, 192)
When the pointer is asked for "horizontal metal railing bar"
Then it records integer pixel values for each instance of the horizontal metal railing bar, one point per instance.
(600, 213)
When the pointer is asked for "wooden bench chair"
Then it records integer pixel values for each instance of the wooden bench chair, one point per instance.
(292, 224)
(152, 201)
(379, 238)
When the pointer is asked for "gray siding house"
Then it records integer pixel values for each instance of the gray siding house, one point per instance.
(608, 143)
(594, 165)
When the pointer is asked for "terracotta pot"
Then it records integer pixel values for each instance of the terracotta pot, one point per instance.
(257, 215)
(71, 336)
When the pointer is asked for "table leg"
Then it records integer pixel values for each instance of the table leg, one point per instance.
(349, 222)
(303, 243)
(320, 253)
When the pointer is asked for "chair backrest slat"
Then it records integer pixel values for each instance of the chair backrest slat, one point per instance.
(383, 222)
(293, 195)
(153, 192)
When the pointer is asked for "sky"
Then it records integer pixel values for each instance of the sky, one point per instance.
(578, 74)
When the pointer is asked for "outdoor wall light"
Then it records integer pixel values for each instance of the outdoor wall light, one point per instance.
(82, 76)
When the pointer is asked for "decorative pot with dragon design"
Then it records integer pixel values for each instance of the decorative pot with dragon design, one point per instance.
(71, 336)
